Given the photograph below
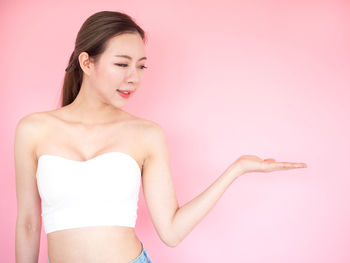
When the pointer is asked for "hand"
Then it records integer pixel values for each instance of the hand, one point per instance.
(252, 163)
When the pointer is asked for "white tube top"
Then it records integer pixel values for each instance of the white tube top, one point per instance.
(103, 190)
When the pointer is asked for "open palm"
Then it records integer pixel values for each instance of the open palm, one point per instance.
(252, 163)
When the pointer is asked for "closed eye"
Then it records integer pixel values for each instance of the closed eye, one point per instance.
(125, 65)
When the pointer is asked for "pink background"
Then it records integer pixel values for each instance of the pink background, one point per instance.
(224, 79)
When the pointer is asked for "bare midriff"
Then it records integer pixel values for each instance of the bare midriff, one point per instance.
(94, 244)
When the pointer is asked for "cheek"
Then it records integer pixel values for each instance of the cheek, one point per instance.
(109, 78)
(113, 74)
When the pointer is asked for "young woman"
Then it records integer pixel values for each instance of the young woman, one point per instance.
(83, 163)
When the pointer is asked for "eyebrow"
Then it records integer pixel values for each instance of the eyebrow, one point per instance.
(126, 56)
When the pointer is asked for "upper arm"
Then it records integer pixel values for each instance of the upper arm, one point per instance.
(28, 199)
(157, 183)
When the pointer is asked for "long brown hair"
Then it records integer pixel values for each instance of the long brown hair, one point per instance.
(92, 38)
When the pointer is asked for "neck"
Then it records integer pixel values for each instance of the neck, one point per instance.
(89, 109)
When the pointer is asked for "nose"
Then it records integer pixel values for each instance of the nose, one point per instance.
(133, 75)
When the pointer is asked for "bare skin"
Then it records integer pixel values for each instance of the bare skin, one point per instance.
(92, 124)
(118, 243)
(252, 163)
(74, 141)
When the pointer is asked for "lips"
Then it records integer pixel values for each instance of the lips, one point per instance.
(125, 90)
(124, 95)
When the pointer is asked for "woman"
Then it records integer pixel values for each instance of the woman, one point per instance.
(83, 163)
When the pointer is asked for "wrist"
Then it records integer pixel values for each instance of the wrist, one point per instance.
(237, 170)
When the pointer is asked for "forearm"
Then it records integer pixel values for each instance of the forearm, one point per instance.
(190, 214)
(27, 244)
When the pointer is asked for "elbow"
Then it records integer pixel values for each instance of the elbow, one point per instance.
(29, 225)
(169, 235)
(171, 243)
(170, 240)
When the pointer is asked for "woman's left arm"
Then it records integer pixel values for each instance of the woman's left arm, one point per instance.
(172, 222)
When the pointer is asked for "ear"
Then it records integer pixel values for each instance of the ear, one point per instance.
(85, 62)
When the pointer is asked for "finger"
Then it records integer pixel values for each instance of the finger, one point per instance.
(288, 165)
(269, 160)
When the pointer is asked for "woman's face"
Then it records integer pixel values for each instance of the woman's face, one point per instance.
(120, 67)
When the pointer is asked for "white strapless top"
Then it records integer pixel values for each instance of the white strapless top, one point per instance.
(101, 191)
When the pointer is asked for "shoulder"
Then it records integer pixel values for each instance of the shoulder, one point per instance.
(32, 122)
(155, 131)
(154, 138)
(30, 127)
(29, 123)
(150, 129)
(27, 134)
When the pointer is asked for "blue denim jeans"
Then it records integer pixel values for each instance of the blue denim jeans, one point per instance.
(142, 258)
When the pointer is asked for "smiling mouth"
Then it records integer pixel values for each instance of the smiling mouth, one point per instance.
(124, 92)
(124, 95)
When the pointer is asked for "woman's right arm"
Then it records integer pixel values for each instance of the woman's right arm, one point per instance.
(28, 224)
